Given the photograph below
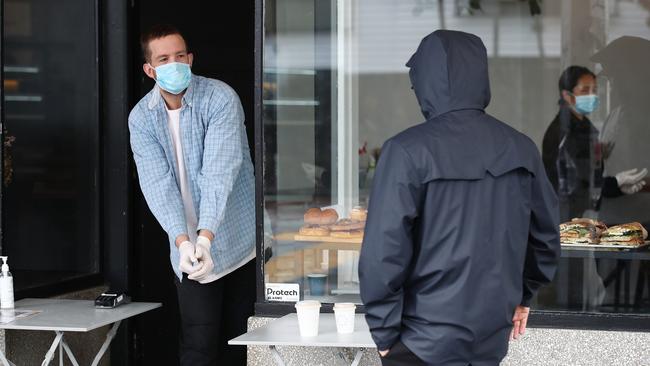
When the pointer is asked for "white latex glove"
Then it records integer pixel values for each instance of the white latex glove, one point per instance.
(631, 181)
(202, 253)
(187, 258)
(634, 188)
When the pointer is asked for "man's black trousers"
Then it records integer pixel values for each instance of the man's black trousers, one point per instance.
(213, 313)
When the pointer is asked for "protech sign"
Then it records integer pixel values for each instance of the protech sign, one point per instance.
(288, 292)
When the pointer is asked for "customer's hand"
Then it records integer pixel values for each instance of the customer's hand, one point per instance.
(631, 181)
(384, 352)
(519, 320)
(188, 259)
(202, 253)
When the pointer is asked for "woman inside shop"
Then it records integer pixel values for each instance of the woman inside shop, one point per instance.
(573, 154)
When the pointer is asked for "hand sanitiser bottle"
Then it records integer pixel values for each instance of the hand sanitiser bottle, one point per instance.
(6, 286)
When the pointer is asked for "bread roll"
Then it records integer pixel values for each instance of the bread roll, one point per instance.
(313, 216)
(316, 216)
(329, 217)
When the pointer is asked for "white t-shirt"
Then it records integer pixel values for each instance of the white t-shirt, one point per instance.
(173, 123)
(186, 194)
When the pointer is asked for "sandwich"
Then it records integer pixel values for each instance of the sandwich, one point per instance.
(581, 231)
(627, 234)
(348, 225)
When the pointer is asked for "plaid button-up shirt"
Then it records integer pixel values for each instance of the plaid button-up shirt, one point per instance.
(218, 164)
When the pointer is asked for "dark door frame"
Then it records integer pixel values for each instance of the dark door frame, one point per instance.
(2, 118)
(114, 19)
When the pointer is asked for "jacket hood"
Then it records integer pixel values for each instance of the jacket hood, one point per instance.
(449, 71)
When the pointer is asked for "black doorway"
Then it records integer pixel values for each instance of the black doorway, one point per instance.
(221, 36)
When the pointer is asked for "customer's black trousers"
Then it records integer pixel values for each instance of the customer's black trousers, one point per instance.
(213, 313)
(399, 355)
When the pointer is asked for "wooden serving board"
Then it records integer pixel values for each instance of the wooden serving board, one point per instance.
(607, 246)
(327, 239)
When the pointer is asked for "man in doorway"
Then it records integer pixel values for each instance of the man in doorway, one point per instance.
(462, 225)
(190, 148)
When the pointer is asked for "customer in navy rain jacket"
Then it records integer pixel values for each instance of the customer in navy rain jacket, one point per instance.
(463, 223)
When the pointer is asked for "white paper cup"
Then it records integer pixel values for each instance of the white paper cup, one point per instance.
(308, 316)
(344, 314)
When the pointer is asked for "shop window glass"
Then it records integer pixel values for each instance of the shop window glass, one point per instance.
(51, 146)
(336, 87)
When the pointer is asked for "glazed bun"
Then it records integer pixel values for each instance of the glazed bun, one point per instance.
(316, 216)
(329, 216)
(313, 216)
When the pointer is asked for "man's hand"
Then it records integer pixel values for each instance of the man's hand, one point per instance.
(207, 233)
(384, 352)
(520, 319)
(187, 258)
(180, 239)
(202, 253)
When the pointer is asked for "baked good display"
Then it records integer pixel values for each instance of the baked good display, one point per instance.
(347, 225)
(581, 231)
(316, 216)
(347, 234)
(628, 234)
(359, 214)
(324, 225)
(314, 230)
(594, 232)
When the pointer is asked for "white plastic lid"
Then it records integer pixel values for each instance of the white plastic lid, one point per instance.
(5, 266)
(308, 304)
(316, 275)
(344, 306)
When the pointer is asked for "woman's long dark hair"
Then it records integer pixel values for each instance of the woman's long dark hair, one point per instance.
(569, 79)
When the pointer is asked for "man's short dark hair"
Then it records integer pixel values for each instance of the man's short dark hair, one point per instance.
(156, 32)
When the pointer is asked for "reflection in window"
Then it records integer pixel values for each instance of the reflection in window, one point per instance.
(336, 87)
(50, 197)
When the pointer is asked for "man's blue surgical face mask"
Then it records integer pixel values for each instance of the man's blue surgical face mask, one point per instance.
(173, 77)
(586, 104)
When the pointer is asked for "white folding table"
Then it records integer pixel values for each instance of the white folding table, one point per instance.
(284, 332)
(60, 316)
